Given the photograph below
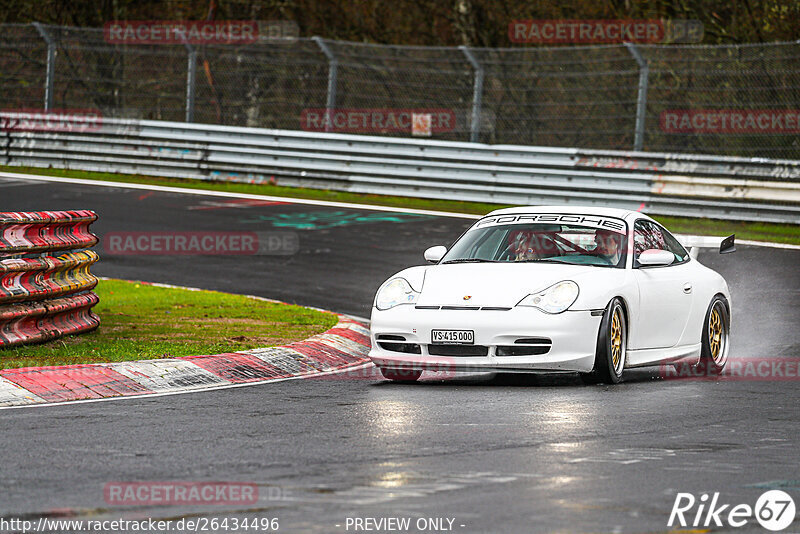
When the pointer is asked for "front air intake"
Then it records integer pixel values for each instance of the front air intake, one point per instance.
(521, 350)
(526, 346)
(408, 348)
(458, 350)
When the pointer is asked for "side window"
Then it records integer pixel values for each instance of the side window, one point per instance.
(674, 246)
(648, 235)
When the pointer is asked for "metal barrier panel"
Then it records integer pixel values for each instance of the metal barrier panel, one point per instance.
(722, 187)
(45, 297)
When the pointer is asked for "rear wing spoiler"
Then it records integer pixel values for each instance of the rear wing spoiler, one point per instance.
(695, 242)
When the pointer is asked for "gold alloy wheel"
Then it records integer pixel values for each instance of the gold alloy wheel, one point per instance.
(715, 332)
(616, 339)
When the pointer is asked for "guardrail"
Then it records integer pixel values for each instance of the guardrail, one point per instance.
(748, 189)
(46, 297)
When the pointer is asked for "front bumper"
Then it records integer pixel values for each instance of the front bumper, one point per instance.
(573, 335)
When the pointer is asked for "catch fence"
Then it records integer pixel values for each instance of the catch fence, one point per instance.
(618, 97)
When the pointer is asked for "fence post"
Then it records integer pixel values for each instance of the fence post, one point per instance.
(333, 70)
(191, 74)
(51, 65)
(477, 94)
(641, 100)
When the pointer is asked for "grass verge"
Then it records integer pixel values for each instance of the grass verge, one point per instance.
(140, 321)
(778, 233)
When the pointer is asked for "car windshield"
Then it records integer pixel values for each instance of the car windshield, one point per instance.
(574, 244)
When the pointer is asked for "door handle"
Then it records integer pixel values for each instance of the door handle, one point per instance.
(687, 288)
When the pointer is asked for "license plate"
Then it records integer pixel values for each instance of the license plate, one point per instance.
(453, 337)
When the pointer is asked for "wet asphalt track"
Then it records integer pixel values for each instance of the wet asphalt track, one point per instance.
(519, 454)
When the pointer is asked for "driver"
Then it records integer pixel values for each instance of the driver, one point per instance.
(609, 245)
(524, 246)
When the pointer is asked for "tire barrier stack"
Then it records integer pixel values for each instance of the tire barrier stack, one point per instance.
(45, 283)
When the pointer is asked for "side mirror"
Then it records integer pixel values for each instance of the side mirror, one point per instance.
(653, 257)
(434, 254)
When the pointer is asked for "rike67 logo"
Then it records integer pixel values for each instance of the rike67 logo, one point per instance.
(774, 510)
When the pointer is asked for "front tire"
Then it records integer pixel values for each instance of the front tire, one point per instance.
(401, 375)
(716, 334)
(612, 343)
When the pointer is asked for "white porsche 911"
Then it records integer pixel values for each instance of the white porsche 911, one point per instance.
(554, 289)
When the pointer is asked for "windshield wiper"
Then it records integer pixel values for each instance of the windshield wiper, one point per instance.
(561, 262)
(543, 260)
(470, 260)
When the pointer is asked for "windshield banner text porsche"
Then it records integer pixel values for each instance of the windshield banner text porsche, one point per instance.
(616, 225)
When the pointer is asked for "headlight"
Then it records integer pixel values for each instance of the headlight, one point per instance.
(555, 299)
(394, 292)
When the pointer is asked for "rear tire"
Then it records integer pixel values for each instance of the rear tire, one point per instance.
(715, 337)
(612, 343)
(401, 375)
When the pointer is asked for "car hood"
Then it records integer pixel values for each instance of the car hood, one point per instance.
(494, 284)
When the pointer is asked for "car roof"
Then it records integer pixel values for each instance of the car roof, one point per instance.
(569, 210)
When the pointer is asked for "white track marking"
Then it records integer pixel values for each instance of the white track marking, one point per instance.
(225, 194)
(767, 244)
(214, 388)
